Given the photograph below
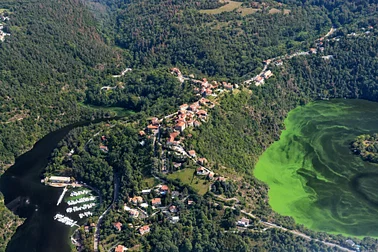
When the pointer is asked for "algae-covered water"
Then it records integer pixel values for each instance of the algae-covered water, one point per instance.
(314, 177)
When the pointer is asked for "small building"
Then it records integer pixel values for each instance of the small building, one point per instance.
(180, 126)
(155, 121)
(175, 194)
(147, 191)
(172, 137)
(144, 229)
(327, 57)
(201, 171)
(164, 189)
(156, 202)
(221, 179)
(177, 165)
(192, 153)
(118, 226)
(313, 50)
(196, 123)
(135, 200)
(202, 161)
(133, 213)
(174, 219)
(59, 179)
(259, 80)
(194, 107)
(144, 205)
(350, 243)
(279, 63)
(201, 113)
(152, 128)
(190, 123)
(211, 175)
(268, 74)
(120, 248)
(86, 229)
(104, 148)
(228, 86)
(142, 133)
(173, 209)
(190, 202)
(184, 107)
(244, 222)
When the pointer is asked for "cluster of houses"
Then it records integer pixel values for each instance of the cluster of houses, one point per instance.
(102, 146)
(260, 79)
(2, 33)
(136, 206)
(204, 88)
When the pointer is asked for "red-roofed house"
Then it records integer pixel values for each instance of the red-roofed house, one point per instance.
(190, 123)
(202, 161)
(164, 189)
(211, 175)
(144, 230)
(259, 80)
(192, 153)
(104, 148)
(202, 113)
(156, 201)
(228, 86)
(184, 106)
(136, 200)
(194, 107)
(202, 171)
(172, 137)
(133, 213)
(118, 226)
(120, 248)
(180, 126)
(173, 209)
(196, 123)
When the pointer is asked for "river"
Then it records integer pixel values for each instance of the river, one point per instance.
(28, 198)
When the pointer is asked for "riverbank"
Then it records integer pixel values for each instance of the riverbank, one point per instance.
(8, 223)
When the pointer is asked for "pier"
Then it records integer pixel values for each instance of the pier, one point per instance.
(62, 196)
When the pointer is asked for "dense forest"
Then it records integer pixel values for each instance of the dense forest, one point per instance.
(45, 65)
(56, 67)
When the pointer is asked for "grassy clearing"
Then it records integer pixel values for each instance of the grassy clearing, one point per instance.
(275, 11)
(225, 8)
(187, 177)
(247, 11)
(149, 182)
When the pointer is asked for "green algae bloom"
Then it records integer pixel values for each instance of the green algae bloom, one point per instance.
(313, 175)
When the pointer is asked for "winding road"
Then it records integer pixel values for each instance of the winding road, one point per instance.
(294, 232)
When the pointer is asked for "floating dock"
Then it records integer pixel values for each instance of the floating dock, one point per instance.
(62, 196)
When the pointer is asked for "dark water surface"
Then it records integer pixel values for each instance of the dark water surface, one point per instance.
(28, 198)
(313, 175)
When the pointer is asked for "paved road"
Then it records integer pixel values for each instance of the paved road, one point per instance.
(329, 244)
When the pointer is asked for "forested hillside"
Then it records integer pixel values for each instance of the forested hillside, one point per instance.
(57, 64)
(53, 50)
(228, 44)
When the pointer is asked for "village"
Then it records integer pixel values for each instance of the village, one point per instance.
(3, 20)
(168, 135)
